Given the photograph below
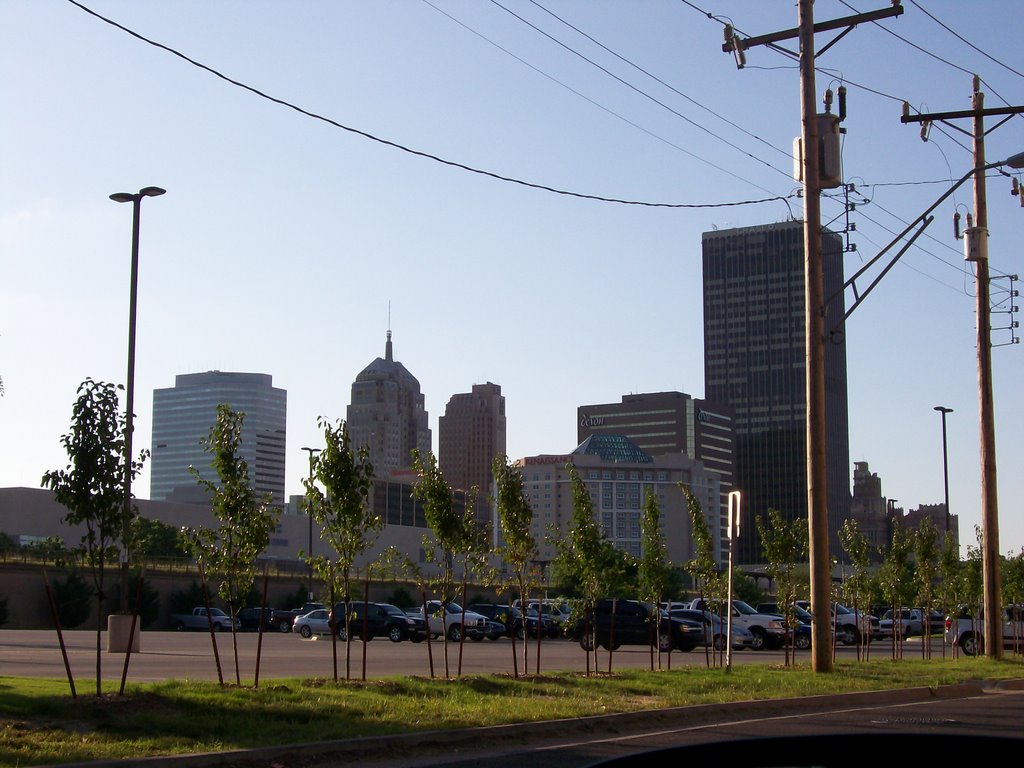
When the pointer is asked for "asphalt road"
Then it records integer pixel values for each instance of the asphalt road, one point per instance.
(189, 655)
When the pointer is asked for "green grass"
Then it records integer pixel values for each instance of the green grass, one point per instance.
(41, 723)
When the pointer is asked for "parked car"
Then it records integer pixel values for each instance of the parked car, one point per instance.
(511, 623)
(767, 629)
(198, 620)
(713, 628)
(629, 622)
(316, 622)
(369, 620)
(968, 631)
(910, 621)
(850, 626)
(283, 620)
(801, 630)
(249, 619)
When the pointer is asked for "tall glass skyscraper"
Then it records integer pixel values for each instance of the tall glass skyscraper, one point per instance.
(755, 362)
(184, 414)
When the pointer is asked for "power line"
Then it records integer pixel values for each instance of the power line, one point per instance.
(586, 98)
(643, 93)
(403, 148)
(965, 40)
(657, 79)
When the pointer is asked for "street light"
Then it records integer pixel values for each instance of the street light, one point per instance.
(118, 637)
(945, 462)
(309, 553)
(135, 200)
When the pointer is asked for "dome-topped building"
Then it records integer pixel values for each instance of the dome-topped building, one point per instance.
(387, 414)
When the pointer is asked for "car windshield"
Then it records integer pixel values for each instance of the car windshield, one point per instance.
(743, 608)
(392, 610)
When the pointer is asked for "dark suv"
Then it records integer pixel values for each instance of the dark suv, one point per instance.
(500, 614)
(381, 620)
(629, 622)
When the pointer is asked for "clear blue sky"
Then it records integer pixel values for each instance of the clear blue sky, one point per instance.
(282, 239)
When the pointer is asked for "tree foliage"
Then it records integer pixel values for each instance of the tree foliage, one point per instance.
(518, 547)
(91, 486)
(456, 544)
(340, 506)
(228, 552)
(73, 596)
(784, 545)
(155, 538)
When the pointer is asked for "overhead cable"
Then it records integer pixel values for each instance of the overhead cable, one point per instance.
(403, 148)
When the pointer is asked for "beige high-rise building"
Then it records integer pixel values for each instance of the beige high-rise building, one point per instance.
(470, 434)
(388, 414)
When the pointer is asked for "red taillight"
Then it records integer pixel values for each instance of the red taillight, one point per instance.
(949, 622)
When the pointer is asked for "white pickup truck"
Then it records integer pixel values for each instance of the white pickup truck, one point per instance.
(969, 633)
(475, 624)
(768, 630)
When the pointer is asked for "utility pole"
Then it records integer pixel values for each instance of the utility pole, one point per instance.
(814, 307)
(976, 250)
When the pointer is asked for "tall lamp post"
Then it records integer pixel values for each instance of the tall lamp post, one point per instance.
(945, 461)
(734, 533)
(136, 201)
(309, 566)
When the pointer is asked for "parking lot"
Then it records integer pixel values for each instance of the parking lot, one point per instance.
(189, 655)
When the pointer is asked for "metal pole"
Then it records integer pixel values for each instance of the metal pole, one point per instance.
(136, 201)
(945, 461)
(309, 552)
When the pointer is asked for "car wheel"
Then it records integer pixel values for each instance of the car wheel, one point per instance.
(686, 647)
(759, 640)
(284, 626)
(718, 643)
(395, 634)
(587, 643)
(849, 635)
(454, 633)
(802, 642)
(521, 634)
(971, 644)
(179, 626)
(305, 631)
(664, 642)
(342, 634)
(493, 637)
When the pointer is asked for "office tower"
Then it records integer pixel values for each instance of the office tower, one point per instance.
(755, 362)
(387, 414)
(183, 416)
(669, 422)
(619, 475)
(470, 434)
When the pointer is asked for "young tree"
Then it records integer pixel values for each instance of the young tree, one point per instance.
(857, 548)
(950, 580)
(91, 486)
(453, 537)
(926, 556)
(784, 544)
(518, 547)
(229, 551)
(894, 577)
(583, 554)
(703, 568)
(654, 568)
(342, 510)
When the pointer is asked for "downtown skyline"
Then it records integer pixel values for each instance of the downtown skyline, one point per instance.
(282, 240)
